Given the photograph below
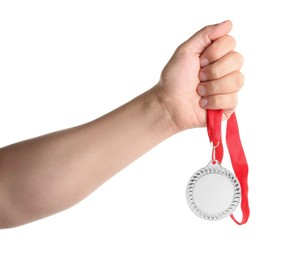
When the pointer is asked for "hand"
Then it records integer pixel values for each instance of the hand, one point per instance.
(202, 74)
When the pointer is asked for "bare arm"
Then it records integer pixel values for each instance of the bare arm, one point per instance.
(48, 174)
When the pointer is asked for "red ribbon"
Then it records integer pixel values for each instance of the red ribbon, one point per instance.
(237, 155)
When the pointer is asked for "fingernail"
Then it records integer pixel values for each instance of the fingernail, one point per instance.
(203, 102)
(203, 76)
(204, 62)
(201, 90)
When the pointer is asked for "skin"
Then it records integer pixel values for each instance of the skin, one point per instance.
(47, 174)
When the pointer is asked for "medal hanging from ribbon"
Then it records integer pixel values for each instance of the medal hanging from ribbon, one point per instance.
(213, 192)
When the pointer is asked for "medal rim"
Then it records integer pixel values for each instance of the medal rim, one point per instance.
(213, 168)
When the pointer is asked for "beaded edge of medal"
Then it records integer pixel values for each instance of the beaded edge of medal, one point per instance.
(213, 167)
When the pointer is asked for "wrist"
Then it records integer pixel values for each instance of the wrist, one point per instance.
(159, 117)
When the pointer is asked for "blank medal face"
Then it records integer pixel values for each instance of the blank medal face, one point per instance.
(213, 192)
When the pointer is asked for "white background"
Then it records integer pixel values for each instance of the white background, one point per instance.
(63, 63)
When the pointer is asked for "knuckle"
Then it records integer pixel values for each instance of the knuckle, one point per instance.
(216, 101)
(206, 28)
(214, 71)
(215, 53)
(181, 49)
(205, 34)
(224, 101)
(213, 87)
(221, 47)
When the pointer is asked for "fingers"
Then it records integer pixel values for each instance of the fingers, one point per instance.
(224, 101)
(220, 76)
(230, 83)
(229, 63)
(221, 93)
(217, 50)
(203, 38)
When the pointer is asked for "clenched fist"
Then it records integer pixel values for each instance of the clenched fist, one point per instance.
(203, 73)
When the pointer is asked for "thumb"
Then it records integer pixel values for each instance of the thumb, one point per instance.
(203, 38)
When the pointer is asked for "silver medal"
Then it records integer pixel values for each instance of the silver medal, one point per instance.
(213, 192)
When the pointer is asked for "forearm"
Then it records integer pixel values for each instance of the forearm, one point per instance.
(45, 175)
